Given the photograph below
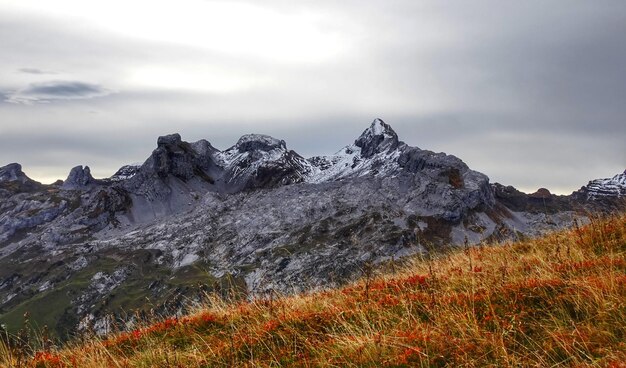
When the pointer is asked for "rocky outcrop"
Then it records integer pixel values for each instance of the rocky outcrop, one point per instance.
(13, 181)
(600, 189)
(79, 178)
(541, 194)
(378, 138)
(12, 172)
(125, 172)
(259, 142)
(173, 157)
(542, 201)
(260, 161)
(174, 167)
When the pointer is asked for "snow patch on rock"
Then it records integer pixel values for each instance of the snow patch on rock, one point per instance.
(615, 186)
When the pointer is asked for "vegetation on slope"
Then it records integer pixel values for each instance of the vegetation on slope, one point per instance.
(559, 300)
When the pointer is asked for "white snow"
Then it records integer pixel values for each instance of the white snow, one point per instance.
(615, 186)
(341, 165)
(126, 172)
(377, 127)
(241, 164)
(266, 139)
(348, 163)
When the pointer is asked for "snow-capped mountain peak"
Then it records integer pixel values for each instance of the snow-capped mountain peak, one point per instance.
(259, 160)
(252, 148)
(259, 142)
(375, 152)
(378, 138)
(598, 188)
(379, 127)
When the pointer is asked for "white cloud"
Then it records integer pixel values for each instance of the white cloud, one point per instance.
(237, 29)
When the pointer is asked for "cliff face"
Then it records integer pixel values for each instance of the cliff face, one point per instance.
(604, 188)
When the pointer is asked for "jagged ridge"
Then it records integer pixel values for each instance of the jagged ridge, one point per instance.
(609, 187)
(256, 216)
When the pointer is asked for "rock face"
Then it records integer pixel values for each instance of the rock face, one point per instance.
(260, 161)
(179, 159)
(603, 188)
(378, 138)
(171, 177)
(541, 193)
(125, 172)
(256, 217)
(12, 172)
(79, 178)
(13, 181)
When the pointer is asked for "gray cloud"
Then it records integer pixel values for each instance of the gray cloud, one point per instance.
(531, 93)
(57, 90)
(35, 71)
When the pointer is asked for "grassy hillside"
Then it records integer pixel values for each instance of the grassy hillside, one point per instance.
(555, 301)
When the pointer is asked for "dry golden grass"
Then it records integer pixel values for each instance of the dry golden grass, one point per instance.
(559, 300)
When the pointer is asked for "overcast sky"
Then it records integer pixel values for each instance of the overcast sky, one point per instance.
(531, 93)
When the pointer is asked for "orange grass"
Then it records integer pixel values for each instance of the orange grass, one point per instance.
(559, 300)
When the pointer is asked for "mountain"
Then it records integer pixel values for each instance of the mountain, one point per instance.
(252, 219)
(603, 188)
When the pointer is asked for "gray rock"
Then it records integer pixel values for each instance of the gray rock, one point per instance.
(378, 138)
(169, 140)
(260, 161)
(125, 172)
(79, 178)
(599, 189)
(259, 142)
(12, 172)
(203, 148)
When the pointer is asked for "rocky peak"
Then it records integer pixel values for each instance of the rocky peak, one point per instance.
(603, 188)
(79, 178)
(172, 156)
(169, 140)
(261, 161)
(259, 142)
(203, 148)
(541, 193)
(379, 137)
(176, 158)
(12, 172)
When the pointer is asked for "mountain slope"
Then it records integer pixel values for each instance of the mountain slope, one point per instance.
(553, 301)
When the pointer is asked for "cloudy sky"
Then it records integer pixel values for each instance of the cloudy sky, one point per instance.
(532, 93)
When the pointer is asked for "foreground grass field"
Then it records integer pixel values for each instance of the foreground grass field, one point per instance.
(559, 300)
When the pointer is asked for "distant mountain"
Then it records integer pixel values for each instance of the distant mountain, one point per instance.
(254, 218)
(602, 188)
